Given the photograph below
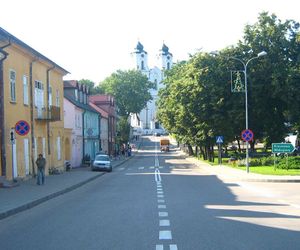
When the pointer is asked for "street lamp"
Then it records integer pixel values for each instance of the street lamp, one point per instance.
(245, 64)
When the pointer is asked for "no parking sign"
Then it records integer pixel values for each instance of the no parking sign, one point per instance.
(247, 135)
(22, 127)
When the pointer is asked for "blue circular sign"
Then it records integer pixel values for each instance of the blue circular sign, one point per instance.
(247, 135)
(22, 127)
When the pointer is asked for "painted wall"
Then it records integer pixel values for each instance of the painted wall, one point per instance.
(91, 133)
(104, 134)
(36, 141)
(73, 121)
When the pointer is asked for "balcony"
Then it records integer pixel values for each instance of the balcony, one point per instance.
(42, 114)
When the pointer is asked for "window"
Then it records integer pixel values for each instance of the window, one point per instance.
(12, 80)
(50, 95)
(25, 90)
(58, 146)
(38, 94)
(76, 94)
(80, 96)
(142, 66)
(57, 98)
(168, 65)
(84, 98)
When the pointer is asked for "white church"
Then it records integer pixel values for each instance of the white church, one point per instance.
(145, 122)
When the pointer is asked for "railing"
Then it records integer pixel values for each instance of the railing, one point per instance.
(53, 115)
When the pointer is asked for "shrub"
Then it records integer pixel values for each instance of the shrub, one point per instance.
(290, 163)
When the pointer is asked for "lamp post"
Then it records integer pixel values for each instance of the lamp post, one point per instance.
(245, 64)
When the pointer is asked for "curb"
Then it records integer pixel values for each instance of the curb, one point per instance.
(36, 202)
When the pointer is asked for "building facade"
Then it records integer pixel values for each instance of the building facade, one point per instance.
(87, 121)
(31, 114)
(146, 120)
(107, 103)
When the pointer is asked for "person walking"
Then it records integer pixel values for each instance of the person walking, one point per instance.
(41, 163)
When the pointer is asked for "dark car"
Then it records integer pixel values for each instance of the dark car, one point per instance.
(101, 162)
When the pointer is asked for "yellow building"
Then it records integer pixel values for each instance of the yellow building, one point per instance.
(31, 109)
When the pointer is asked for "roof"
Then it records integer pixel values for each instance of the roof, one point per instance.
(100, 110)
(140, 48)
(70, 84)
(165, 50)
(9, 38)
(79, 104)
(73, 84)
(101, 98)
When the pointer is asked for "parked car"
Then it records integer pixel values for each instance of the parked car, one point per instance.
(101, 162)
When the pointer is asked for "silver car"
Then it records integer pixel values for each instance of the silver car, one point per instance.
(101, 162)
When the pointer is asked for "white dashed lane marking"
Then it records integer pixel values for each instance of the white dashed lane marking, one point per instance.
(164, 223)
(162, 206)
(165, 235)
(163, 214)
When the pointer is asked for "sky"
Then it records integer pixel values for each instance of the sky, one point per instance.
(94, 38)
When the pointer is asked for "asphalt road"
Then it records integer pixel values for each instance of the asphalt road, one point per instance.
(160, 201)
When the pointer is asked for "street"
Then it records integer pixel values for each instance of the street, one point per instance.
(159, 200)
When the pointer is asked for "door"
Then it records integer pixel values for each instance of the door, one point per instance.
(14, 159)
(26, 156)
(44, 146)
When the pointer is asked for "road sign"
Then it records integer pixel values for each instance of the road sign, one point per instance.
(22, 127)
(219, 139)
(12, 136)
(282, 148)
(247, 135)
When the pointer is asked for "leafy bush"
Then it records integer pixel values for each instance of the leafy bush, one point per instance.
(290, 163)
(255, 162)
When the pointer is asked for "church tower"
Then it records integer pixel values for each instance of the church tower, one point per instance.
(166, 57)
(141, 58)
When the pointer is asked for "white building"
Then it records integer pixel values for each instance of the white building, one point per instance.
(146, 121)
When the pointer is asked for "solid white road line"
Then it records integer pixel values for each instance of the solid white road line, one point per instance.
(157, 175)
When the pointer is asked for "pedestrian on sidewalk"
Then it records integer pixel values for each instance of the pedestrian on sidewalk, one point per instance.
(41, 164)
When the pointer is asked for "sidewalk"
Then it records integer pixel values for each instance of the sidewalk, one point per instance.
(228, 173)
(27, 194)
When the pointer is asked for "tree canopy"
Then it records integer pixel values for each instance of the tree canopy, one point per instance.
(130, 89)
(197, 103)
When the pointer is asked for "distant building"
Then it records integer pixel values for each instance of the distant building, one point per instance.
(83, 120)
(146, 121)
(107, 104)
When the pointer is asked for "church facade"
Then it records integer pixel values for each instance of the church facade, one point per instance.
(146, 121)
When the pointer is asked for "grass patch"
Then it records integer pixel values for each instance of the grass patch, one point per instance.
(268, 170)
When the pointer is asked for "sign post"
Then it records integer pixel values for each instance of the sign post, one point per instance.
(219, 141)
(282, 148)
(13, 142)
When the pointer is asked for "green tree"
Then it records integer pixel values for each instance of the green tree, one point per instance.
(273, 80)
(90, 84)
(130, 89)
